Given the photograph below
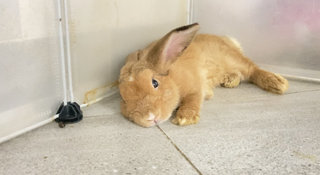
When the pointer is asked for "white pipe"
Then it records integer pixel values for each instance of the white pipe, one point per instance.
(22, 131)
(62, 56)
(301, 78)
(68, 50)
(190, 12)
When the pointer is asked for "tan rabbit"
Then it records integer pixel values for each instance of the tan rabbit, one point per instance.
(180, 70)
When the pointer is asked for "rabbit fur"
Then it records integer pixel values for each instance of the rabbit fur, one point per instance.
(180, 70)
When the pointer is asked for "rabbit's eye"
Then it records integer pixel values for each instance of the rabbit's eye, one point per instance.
(155, 83)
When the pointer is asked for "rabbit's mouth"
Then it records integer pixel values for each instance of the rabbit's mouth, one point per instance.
(147, 121)
(152, 122)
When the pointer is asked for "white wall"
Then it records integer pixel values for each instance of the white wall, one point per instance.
(104, 32)
(30, 79)
(284, 33)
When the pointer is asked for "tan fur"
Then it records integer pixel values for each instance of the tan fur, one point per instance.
(186, 78)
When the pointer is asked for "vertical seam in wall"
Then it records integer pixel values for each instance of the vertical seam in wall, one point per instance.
(178, 149)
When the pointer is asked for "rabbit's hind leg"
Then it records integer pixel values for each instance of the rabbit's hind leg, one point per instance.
(269, 81)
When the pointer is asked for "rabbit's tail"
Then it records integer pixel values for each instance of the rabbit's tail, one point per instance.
(268, 81)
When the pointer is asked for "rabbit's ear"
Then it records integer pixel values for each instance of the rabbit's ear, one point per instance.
(171, 46)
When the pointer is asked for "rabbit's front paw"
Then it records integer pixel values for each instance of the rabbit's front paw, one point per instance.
(230, 80)
(186, 117)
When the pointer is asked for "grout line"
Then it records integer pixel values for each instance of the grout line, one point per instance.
(178, 149)
(314, 90)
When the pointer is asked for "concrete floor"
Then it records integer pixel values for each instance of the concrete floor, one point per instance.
(241, 131)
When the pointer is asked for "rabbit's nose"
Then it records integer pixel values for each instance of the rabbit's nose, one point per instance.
(151, 116)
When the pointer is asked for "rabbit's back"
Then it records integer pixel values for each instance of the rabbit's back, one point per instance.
(205, 62)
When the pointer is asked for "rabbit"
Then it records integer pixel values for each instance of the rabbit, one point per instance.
(180, 70)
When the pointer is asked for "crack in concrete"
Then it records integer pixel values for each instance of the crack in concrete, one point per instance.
(179, 150)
